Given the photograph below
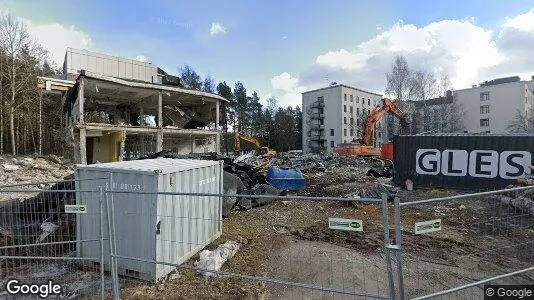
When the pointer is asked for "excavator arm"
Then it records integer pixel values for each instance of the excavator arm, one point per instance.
(376, 114)
(264, 151)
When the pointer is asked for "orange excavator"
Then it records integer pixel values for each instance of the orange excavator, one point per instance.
(366, 148)
(263, 151)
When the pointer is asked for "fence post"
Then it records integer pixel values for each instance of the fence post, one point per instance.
(116, 295)
(387, 244)
(102, 277)
(398, 242)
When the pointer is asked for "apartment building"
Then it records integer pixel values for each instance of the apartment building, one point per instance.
(335, 115)
(492, 106)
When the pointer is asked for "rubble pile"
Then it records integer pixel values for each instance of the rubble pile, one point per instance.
(36, 168)
(520, 200)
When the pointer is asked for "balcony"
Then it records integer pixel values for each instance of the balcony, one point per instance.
(318, 104)
(316, 126)
(316, 116)
(315, 135)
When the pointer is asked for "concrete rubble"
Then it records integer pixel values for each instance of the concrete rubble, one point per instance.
(213, 260)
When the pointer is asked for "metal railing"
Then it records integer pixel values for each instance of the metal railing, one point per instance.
(38, 239)
(287, 249)
(296, 271)
(479, 239)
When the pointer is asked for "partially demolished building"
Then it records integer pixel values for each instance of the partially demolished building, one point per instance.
(120, 109)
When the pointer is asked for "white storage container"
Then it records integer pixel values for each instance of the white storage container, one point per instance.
(154, 227)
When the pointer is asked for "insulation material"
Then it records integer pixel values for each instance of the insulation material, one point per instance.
(213, 260)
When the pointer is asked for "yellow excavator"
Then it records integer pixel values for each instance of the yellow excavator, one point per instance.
(263, 151)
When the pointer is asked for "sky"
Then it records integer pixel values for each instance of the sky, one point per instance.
(282, 48)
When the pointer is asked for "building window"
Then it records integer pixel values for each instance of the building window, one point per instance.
(332, 144)
(351, 121)
(484, 122)
(321, 121)
(351, 98)
(357, 110)
(345, 141)
(351, 132)
(368, 101)
(320, 98)
(484, 109)
(379, 134)
(345, 132)
(484, 96)
(358, 122)
(351, 110)
(344, 108)
(345, 97)
(344, 120)
(331, 132)
(357, 99)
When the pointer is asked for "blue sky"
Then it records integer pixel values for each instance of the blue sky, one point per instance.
(264, 40)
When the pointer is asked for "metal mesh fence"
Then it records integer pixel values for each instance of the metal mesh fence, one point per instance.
(280, 251)
(453, 241)
(38, 240)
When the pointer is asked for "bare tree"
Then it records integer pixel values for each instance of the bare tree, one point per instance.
(24, 56)
(522, 123)
(399, 86)
(444, 84)
(424, 87)
(398, 83)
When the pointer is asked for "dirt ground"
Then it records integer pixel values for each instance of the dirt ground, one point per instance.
(291, 241)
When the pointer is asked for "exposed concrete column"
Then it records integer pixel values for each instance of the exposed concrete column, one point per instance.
(80, 101)
(80, 143)
(159, 136)
(217, 120)
(217, 113)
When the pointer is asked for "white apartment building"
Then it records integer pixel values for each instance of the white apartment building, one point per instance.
(491, 106)
(335, 115)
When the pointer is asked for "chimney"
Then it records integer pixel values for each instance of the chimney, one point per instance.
(448, 94)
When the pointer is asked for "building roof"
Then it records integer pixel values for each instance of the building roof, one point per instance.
(150, 86)
(342, 85)
(433, 101)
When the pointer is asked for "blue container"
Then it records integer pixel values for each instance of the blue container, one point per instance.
(286, 178)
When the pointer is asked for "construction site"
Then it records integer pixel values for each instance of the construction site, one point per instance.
(154, 192)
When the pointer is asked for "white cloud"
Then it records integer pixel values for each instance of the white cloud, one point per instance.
(524, 22)
(141, 58)
(284, 82)
(217, 29)
(56, 38)
(467, 52)
(459, 48)
(286, 90)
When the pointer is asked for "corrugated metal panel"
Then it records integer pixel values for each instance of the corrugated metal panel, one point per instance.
(163, 165)
(186, 223)
(474, 162)
(108, 65)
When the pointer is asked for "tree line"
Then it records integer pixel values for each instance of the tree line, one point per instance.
(275, 127)
(28, 122)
